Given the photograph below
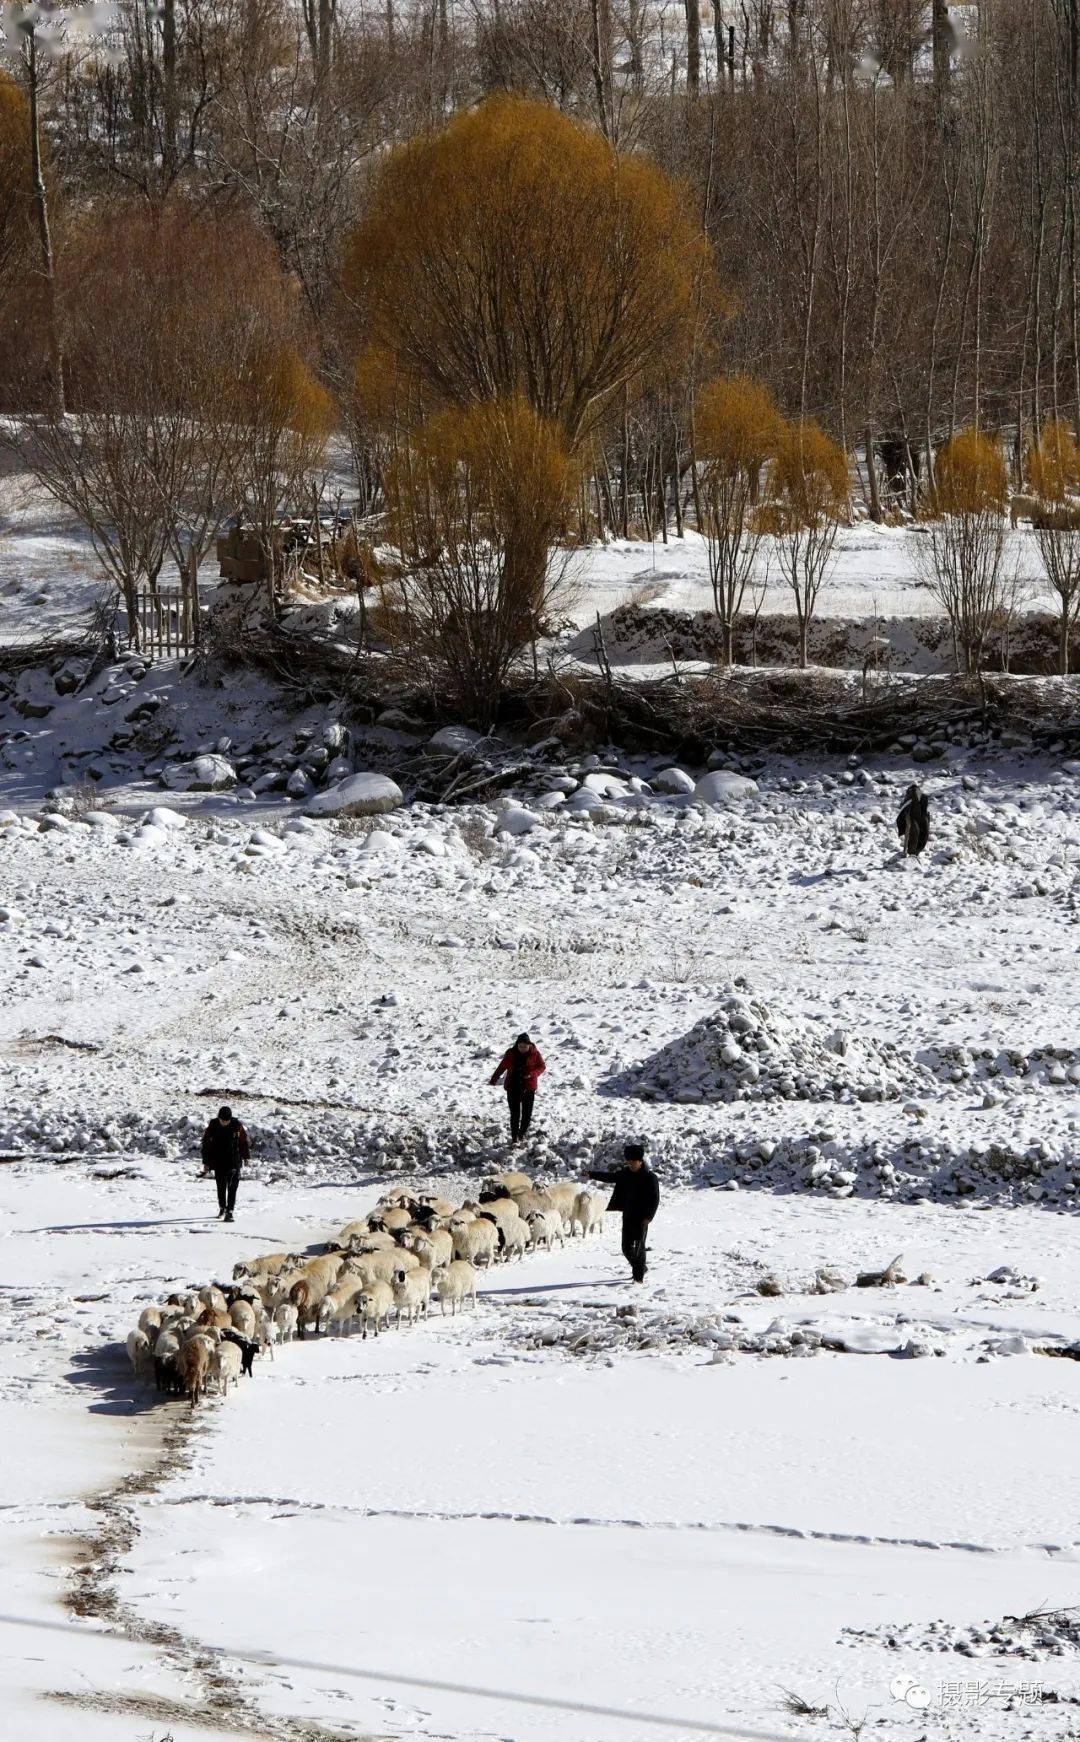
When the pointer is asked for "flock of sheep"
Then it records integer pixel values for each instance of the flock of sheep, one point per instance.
(386, 1268)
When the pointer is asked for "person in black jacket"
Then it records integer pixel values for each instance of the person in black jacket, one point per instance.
(636, 1197)
(225, 1149)
(913, 822)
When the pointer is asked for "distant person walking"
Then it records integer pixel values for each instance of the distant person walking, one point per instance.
(522, 1066)
(913, 822)
(636, 1198)
(225, 1148)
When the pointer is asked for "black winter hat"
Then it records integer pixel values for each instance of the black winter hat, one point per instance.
(522, 1037)
(224, 1112)
(634, 1152)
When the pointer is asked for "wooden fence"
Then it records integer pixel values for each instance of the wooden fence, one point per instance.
(166, 621)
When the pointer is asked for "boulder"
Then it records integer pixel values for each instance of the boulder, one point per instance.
(453, 741)
(360, 795)
(722, 787)
(515, 820)
(202, 774)
(673, 780)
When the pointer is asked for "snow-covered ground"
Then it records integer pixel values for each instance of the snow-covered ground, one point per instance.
(673, 1502)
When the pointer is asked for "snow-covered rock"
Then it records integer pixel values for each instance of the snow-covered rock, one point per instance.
(515, 820)
(672, 780)
(211, 773)
(359, 795)
(453, 741)
(747, 1051)
(721, 787)
(379, 841)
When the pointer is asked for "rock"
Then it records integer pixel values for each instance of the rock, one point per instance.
(161, 817)
(887, 1278)
(299, 783)
(673, 780)
(769, 1285)
(722, 788)
(359, 795)
(211, 773)
(514, 820)
(453, 741)
(339, 769)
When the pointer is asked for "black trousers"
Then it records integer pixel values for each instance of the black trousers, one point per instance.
(634, 1234)
(227, 1179)
(521, 1106)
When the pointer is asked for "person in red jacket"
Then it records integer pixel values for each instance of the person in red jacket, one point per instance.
(522, 1066)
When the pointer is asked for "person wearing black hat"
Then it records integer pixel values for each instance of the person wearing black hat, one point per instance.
(225, 1148)
(636, 1198)
(522, 1065)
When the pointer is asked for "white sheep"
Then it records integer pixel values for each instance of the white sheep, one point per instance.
(244, 1317)
(545, 1229)
(150, 1322)
(515, 1237)
(456, 1284)
(166, 1362)
(392, 1220)
(380, 1266)
(510, 1183)
(140, 1354)
(564, 1196)
(476, 1242)
(226, 1363)
(285, 1320)
(339, 1308)
(269, 1265)
(437, 1207)
(434, 1247)
(530, 1202)
(589, 1211)
(411, 1290)
(374, 1304)
(501, 1211)
(213, 1299)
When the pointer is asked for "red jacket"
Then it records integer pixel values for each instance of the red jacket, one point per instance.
(532, 1070)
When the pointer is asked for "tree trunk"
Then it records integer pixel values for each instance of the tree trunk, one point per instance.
(941, 39)
(693, 49)
(193, 593)
(1063, 636)
(41, 208)
(871, 477)
(804, 643)
(169, 162)
(601, 56)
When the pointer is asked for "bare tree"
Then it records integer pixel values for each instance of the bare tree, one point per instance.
(963, 559)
